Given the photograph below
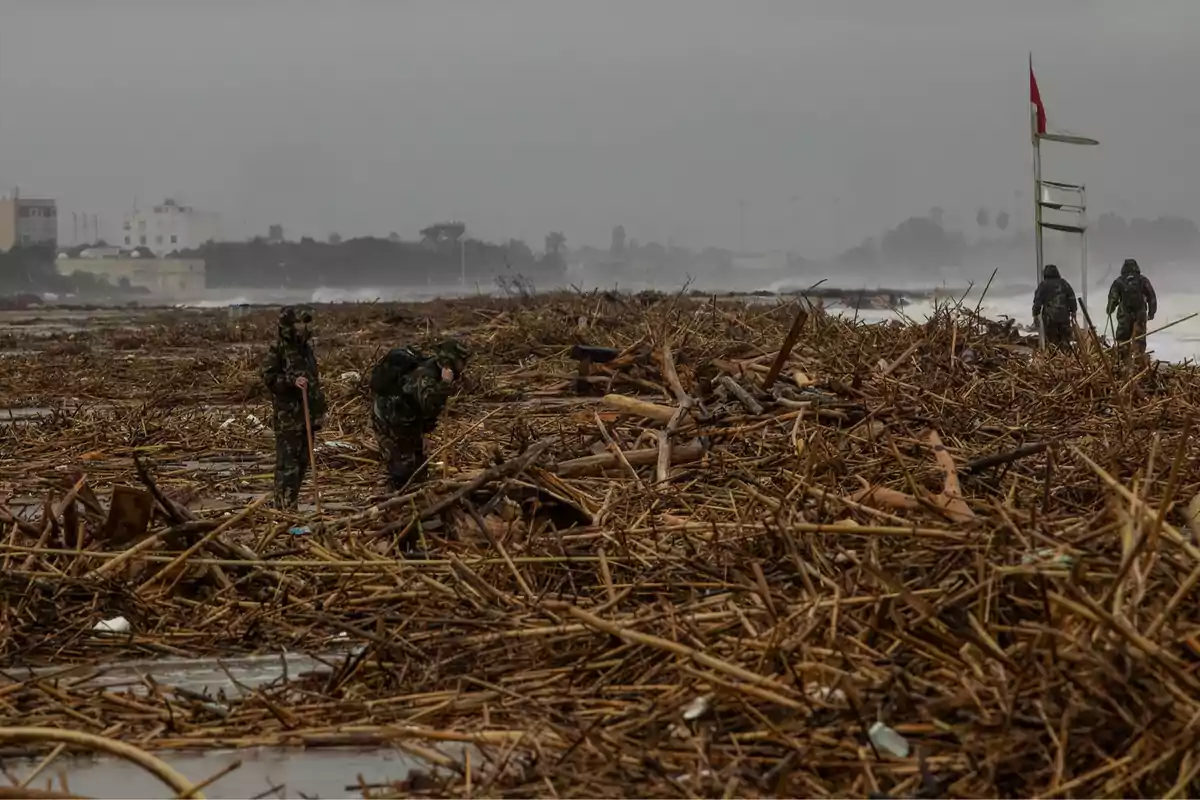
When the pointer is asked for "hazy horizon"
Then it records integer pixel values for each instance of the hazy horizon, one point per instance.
(529, 116)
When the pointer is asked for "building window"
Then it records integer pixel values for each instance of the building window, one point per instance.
(158, 240)
(174, 239)
(143, 239)
(127, 227)
(127, 238)
(142, 225)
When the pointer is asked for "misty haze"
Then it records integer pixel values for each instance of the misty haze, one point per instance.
(800, 139)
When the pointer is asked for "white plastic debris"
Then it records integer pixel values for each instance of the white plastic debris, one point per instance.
(335, 445)
(228, 422)
(678, 730)
(888, 741)
(697, 708)
(114, 625)
(350, 377)
(843, 558)
(827, 694)
(253, 421)
(685, 777)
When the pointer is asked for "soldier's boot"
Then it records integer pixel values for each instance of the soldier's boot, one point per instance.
(288, 480)
(405, 467)
(279, 498)
(286, 497)
(1139, 331)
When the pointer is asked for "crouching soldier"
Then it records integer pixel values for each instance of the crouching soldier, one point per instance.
(290, 373)
(410, 392)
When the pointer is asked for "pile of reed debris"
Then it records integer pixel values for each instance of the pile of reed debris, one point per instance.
(899, 559)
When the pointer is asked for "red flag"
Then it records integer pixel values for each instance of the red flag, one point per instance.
(1035, 97)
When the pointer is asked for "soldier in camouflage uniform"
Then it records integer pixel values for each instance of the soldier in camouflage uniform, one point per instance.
(1054, 306)
(289, 371)
(1135, 302)
(410, 393)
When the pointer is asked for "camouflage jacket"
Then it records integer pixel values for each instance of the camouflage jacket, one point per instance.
(286, 361)
(1132, 297)
(419, 399)
(1054, 300)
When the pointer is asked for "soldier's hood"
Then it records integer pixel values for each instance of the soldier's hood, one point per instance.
(452, 353)
(289, 318)
(1050, 272)
(1130, 267)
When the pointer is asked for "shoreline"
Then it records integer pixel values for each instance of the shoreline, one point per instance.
(218, 298)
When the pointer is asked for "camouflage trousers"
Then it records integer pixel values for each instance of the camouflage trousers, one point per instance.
(291, 464)
(1127, 328)
(403, 449)
(1058, 332)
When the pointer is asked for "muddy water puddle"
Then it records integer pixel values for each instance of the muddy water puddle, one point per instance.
(230, 676)
(18, 416)
(290, 772)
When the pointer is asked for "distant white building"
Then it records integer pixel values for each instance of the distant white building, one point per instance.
(169, 227)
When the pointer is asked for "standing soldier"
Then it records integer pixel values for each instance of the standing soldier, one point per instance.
(290, 373)
(1135, 302)
(1054, 306)
(410, 394)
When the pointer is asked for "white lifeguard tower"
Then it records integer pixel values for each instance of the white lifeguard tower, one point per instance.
(1065, 202)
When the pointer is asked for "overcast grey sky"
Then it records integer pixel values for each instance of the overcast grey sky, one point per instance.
(523, 116)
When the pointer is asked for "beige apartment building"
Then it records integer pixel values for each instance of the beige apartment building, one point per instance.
(163, 277)
(28, 221)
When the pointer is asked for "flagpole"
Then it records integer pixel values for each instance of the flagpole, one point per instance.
(1037, 184)
(1037, 202)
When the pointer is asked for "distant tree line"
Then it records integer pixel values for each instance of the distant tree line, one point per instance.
(1165, 238)
(629, 260)
(928, 243)
(369, 261)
